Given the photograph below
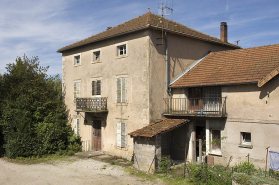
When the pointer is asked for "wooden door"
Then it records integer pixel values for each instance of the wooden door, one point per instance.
(97, 135)
(195, 99)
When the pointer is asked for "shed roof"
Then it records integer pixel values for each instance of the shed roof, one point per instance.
(148, 20)
(156, 128)
(251, 65)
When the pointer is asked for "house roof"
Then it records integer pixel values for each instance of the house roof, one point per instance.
(156, 128)
(251, 65)
(148, 20)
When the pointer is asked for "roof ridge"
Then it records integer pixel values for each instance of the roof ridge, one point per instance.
(250, 48)
(114, 27)
(193, 29)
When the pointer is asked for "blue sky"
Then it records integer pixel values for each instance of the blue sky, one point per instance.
(39, 28)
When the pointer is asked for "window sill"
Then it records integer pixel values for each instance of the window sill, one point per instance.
(77, 65)
(120, 148)
(216, 153)
(245, 146)
(121, 104)
(96, 62)
(121, 56)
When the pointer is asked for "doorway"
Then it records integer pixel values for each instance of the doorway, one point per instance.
(97, 135)
(200, 134)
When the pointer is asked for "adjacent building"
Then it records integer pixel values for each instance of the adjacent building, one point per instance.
(229, 100)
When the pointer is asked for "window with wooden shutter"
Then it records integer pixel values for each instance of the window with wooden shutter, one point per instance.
(118, 90)
(121, 134)
(96, 87)
(121, 90)
(76, 90)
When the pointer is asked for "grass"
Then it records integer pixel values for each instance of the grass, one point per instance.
(49, 159)
(170, 178)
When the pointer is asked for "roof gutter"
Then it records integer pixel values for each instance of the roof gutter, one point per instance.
(124, 33)
(224, 84)
(188, 69)
(148, 26)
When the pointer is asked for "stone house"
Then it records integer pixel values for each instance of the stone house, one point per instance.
(114, 82)
(230, 97)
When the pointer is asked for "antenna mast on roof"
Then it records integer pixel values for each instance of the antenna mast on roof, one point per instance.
(164, 10)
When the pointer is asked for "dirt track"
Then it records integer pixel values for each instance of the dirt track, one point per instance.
(82, 171)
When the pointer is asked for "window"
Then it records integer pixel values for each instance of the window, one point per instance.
(245, 138)
(96, 56)
(216, 141)
(96, 87)
(76, 126)
(121, 50)
(77, 60)
(121, 134)
(76, 90)
(121, 90)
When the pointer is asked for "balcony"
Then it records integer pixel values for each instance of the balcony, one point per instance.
(204, 107)
(98, 104)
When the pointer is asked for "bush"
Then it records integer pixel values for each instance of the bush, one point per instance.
(74, 147)
(32, 113)
(244, 167)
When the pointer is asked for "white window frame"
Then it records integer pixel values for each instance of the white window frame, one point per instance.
(118, 50)
(74, 59)
(125, 100)
(121, 124)
(96, 79)
(74, 92)
(94, 61)
(219, 151)
(76, 126)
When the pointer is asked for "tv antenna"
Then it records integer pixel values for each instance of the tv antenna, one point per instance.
(237, 42)
(164, 9)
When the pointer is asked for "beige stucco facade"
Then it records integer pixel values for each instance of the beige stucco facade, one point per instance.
(250, 109)
(143, 66)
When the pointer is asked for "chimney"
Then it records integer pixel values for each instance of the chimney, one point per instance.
(224, 32)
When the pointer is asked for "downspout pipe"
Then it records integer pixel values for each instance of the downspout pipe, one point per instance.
(167, 72)
(167, 65)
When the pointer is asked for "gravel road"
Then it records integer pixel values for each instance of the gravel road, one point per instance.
(81, 171)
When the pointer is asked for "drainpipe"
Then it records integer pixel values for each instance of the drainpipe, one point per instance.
(167, 71)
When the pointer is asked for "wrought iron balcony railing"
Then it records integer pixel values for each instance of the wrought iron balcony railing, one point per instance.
(98, 104)
(213, 106)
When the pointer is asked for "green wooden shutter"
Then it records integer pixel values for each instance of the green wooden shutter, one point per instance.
(118, 134)
(94, 88)
(98, 87)
(118, 91)
(123, 90)
(123, 135)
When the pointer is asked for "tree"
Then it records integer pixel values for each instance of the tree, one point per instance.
(33, 114)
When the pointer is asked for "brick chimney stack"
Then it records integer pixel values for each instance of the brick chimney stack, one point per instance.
(224, 32)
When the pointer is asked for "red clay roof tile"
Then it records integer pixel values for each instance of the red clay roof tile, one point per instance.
(148, 20)
(233, 66)
(158, 127)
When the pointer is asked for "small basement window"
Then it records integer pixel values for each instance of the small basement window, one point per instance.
(245, 138)
(97, 56)
(121, 50)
